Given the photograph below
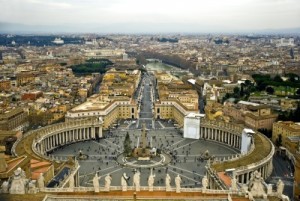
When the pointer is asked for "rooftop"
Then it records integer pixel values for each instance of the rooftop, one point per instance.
(262, 149)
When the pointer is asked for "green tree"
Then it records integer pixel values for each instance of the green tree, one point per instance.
(270, 90)
(277, 78)
(127, 145)
(242, 93)
(236, 90)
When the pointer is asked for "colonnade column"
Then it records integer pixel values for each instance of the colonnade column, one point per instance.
(100, 131)
(93, 133)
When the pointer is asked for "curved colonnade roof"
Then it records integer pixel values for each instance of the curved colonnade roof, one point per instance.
(262, 149)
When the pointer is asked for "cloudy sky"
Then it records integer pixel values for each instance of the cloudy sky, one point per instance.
(153, 15)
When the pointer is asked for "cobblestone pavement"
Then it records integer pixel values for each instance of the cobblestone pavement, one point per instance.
(185, 154)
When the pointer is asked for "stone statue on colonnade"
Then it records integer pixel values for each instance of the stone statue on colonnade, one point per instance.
(177, 183)
(96, 182)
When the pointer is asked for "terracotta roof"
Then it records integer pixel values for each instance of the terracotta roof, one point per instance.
(225, 178)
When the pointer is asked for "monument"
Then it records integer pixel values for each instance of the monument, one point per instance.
(41, 181)
(256, 185)
(96, 183)
(124, 181)
(82, 156)
(143, 155)
(204, 183)
(136, 181)
(32, 187)
(168, 182)
(280, 187)
(107, 182)
(177, 183)
(143, 148)
(151, 181)
(4, 187)
(71, 182)
(234, 183)
(18, 182)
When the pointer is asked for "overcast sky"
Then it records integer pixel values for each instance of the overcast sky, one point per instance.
(154, 15)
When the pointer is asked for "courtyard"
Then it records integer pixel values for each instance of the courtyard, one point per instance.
(186, 156)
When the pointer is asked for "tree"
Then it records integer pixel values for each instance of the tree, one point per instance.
(270, 90)
(277, 78)
(242, 93)
(137, 61)
(227, 95)
(298, 91)
(236, 90)
(127, 145)
(248, 82)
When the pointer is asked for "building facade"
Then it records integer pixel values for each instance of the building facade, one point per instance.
(15, 119)
(285, 129)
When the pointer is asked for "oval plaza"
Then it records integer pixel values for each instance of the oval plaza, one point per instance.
(203, 157)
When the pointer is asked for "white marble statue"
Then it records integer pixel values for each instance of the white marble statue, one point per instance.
(204, 183)
(151, 181)
(177, 183)
(136, 181)
(72, 182)
(4, 187)
(269, 189)
(96, 182)
(168, 183)
(234, 183)
(256, 185)
(18, 183)
(280, 187)
(124, 180)
(285, 198)
(41, 181)
(107, 182)
(250, 196)
(32, 187)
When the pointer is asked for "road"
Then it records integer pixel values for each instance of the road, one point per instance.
(282, 169)
(146, 106)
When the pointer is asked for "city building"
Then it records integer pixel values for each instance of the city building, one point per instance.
(292, 145)
(58, 41)
(25, 78)
(32, 95)
(260, 117)
(14, 119)
(5, 85)
(175, 98)
(253, 115)
(115, 100)
(285, 129)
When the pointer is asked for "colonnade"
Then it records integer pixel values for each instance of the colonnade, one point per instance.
(66, 133)
(223, 136)
(265, 170)
(232, 135)
(56, 139)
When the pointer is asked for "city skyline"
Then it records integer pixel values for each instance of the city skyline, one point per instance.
(132, 16)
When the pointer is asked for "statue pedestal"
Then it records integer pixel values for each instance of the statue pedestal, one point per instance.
(143, 158)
